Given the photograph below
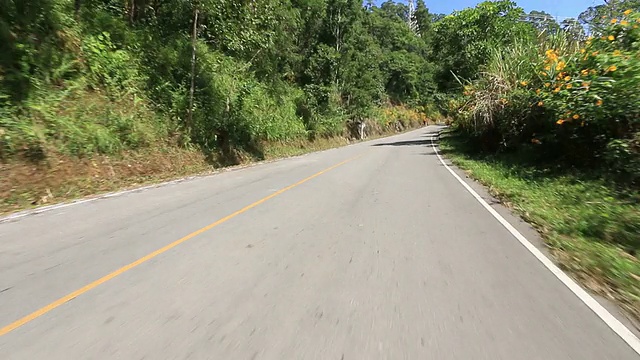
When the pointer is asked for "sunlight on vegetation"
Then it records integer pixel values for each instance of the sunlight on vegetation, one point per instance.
(99, 76)
(228, 80)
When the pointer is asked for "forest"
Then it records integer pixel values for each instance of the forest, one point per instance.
(87, 77)
(220, 75)
(100, 94)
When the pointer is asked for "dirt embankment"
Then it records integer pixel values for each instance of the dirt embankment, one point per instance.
(60, 178)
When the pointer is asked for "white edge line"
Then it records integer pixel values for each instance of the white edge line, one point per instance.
(42, 209)
(587, 299)
(214, 172)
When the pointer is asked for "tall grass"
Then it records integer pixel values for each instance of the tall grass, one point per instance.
(500, 92)
(575, 100)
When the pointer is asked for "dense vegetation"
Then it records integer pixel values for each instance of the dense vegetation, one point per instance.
(564, 97)
(100, 76)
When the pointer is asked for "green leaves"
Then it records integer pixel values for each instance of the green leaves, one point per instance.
(462, 40)
(268, 70)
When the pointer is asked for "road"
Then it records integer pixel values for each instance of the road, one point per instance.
(371, 251)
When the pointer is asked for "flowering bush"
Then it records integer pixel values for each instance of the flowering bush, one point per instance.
(593, 93)
(391, 115)
(598, 85)
(579, 101)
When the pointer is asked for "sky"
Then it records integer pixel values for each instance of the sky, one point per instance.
(559, 8)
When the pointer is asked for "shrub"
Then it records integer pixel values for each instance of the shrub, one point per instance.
(575, 101)
(592, 94)
(114, 68)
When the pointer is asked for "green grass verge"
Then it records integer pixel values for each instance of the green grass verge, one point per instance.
(591, 228)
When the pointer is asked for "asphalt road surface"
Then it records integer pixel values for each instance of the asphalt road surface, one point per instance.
(372, 251)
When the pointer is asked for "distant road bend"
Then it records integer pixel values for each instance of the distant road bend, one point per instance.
(371, 251)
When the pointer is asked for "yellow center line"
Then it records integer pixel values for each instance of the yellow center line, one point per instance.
(34, 315)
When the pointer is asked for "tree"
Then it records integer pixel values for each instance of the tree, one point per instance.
(595, 18)
(463, 38)
(424, 19)
(574, 29)
(406, 77)
(543, 22)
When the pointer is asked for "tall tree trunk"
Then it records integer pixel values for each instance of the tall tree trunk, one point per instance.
(76, 7)
(193, 68)
(337, 33)
(132, 12)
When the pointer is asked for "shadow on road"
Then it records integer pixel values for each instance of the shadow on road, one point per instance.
(429, 138)
(406, 143)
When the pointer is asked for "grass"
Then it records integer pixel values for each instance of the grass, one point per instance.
(26, 185)
(591, 228)
(62, 177)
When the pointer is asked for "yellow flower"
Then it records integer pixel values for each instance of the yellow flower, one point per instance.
(561, 65)
(584, 72)
(547, 67)
(556, 90)
(611, 38)
(624, 22)
(540, 103)
(617, 53)
(547, 84)
(569, 86)
(635, 26)
(543, 73)
(595, 53)
(524, 83)
(560, 122)
(538, 91)
(576, 116)
(613, 21)
(567, 78)
(551, 55)
(599, 102)
(593, 72)
(627, 12)
(612, 68)
(582, 51)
